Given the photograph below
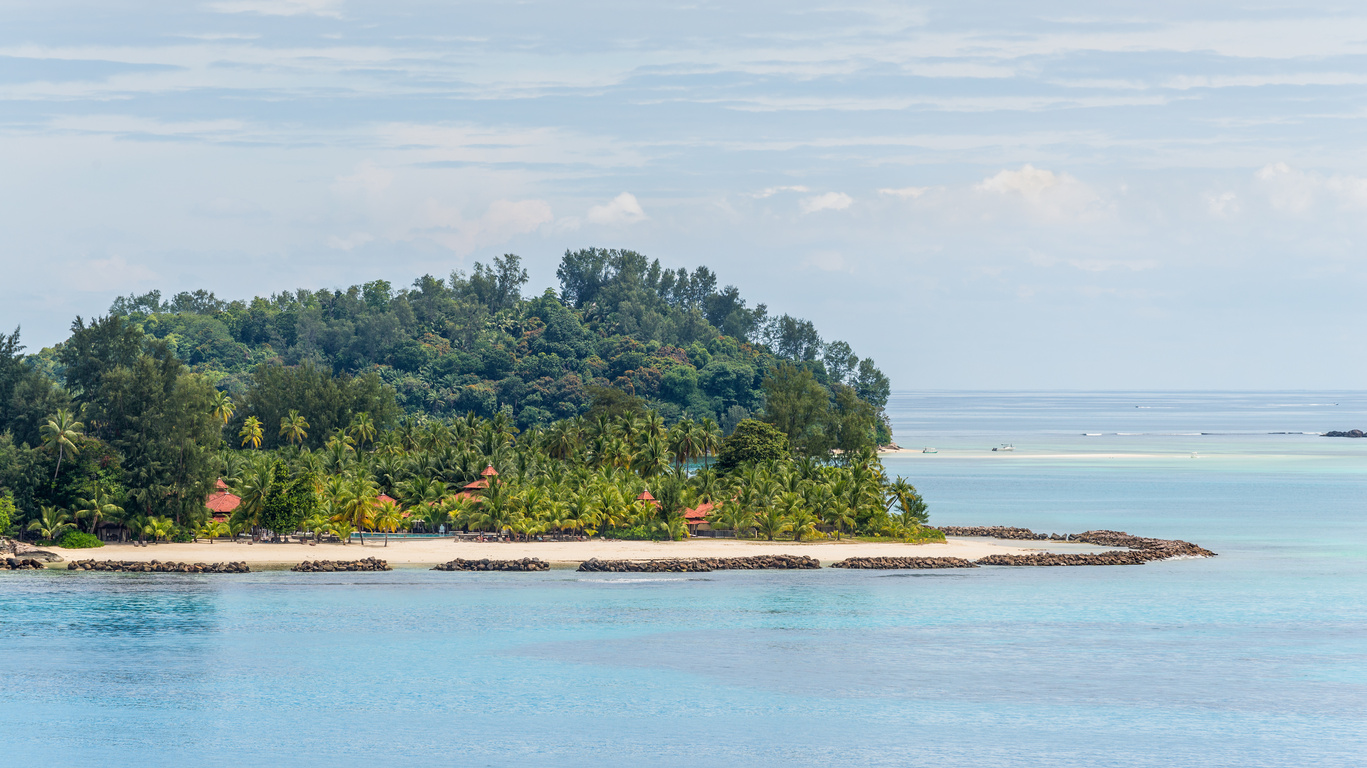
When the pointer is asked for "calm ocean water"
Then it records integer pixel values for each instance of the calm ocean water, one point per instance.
(1255, 658)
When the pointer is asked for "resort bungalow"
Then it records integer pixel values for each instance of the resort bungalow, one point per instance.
(696, 518)
(474, 490)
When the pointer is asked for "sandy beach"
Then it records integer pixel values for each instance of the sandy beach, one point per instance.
(429, 552)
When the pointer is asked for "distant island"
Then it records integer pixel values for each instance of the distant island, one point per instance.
(1349, 433)
(637, 402)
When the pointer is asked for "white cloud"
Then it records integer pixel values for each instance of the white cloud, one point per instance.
(623, 209)
(1029, 182)
(1291, 190)
(831, 201)
(279, 7)
(1223, 205)
(906, 193)
(771, 191)
(1048, 194)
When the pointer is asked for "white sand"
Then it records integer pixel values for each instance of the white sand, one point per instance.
(432, 551)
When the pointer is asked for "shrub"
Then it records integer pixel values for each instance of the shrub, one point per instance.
(78, 540)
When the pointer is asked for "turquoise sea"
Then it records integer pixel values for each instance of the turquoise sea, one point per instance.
(1255, 658)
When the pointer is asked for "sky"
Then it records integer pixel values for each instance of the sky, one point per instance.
(978, 195)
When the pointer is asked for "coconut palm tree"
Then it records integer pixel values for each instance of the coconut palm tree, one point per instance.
(60, 434)
(163, 528)
(362, 429)
(801, 520)
(99, 507)
(222, 406)
(294, 428)
(387, 517)
(51, 524)
(251, 432)
(316, 524)
(771, 522)
(358, 502)
(904, 495)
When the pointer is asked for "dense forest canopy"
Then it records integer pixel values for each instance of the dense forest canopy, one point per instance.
(136, 407)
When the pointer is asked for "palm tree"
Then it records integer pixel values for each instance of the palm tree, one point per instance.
(362, 428)
(771, 522)
(315, 524)
(60, 434)
(342, 530)
(388, 518)
(709, 438)
(100, 506)
(905, 496)
(293, 428)
(51, 524)
(358, 502)
(222, 406)
(251, 432)
(801, 520)
(162, 528)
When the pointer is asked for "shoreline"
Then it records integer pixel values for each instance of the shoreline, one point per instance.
(429, 552)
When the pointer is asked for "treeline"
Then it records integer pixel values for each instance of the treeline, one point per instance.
(472, 343)
(136, 409)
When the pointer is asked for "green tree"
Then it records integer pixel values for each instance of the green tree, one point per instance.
(771, 522)
(752, 441)
(799, 407)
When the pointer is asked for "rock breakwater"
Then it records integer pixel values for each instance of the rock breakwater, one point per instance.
(154, 566)
(20, 564)
(525, 564)
(701, 564)
(1116, 557)
(903, 563)
(334, 566)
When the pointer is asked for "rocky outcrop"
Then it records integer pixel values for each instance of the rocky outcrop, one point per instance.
(333, 566)
(1349, 433)
(525, 564)
(154, 566)
(903, 563)
(701, 564)
(20, 564)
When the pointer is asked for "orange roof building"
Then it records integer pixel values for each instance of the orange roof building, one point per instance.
(221, 503)
(696, 518)
(645, 496)
(472, 490)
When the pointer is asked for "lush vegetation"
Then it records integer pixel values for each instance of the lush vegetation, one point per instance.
(313, 405)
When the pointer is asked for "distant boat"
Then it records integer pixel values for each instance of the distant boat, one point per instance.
(929, 450)
(1005, 447)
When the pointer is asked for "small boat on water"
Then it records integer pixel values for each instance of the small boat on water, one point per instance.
(929, 450)
(1005, 447)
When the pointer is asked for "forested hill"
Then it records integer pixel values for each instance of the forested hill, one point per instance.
(474, 343)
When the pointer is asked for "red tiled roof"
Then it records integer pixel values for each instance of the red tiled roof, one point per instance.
(489, 471)
(699, 513)
(220, 485)
(382, 498)
(477, 485)
(645, 496)
(222, 502)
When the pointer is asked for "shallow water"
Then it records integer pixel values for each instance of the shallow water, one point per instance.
(1255, 658)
